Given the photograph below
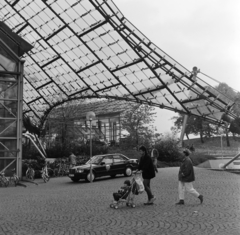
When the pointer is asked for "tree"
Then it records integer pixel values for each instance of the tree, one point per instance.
(137, 122)
(236, 107)
(195, 125)
(168, 148)
(230, 96)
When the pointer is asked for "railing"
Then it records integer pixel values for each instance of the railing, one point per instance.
(218, 152)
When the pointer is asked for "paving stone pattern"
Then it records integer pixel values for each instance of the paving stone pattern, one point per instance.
(61, 207)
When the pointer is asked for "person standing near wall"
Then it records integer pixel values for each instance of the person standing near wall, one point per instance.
(147, 168)
(72, 160)
(154, 156)
(186, 176)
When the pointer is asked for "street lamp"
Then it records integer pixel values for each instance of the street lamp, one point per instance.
(221, 135)
(222, 145)
(90, 116)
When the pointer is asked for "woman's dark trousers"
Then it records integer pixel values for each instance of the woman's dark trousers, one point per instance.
(146, 183)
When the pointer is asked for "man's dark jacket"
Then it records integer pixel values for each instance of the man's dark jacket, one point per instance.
(147, 167)
(186, 171)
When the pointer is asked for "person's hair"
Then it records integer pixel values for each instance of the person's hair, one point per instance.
(127, 182)
(155, 153)
(186, 152)
(143, 148)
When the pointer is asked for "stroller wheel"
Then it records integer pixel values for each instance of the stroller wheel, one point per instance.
(116, 207)
(133, 205)
(127, 204)
(111, 205)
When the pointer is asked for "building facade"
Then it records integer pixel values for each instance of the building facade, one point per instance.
(70, 121)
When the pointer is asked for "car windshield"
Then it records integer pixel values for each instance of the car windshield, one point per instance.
(95, 160)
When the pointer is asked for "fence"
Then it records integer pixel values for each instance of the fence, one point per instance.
(218, 152)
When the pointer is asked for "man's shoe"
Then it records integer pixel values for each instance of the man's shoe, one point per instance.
(200, 198)
(181, 202)
(148, 203)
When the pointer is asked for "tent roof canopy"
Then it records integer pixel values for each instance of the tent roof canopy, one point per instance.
(88, 48)
(78, 110)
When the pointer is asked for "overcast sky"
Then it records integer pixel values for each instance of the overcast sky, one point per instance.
(202, 33)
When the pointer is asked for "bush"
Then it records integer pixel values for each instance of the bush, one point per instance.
(35, 165)
(63, 151)
(168, 164)
(169, 153)
(168, 149)
(198, 158)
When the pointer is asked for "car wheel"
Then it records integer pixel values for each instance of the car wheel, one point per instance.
(128, 171)
(75, 179)
(113, 176)
(88, 177)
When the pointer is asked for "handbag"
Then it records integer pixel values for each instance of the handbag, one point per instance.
(139, 183)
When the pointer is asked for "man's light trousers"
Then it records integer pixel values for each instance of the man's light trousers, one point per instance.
(184, 186)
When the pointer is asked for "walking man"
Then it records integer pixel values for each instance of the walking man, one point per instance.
(186, 177)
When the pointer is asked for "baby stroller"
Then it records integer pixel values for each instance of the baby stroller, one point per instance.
(127, 195)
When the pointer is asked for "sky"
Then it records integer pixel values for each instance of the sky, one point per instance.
(198, 33)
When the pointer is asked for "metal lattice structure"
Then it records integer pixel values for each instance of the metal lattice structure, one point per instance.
(87, 48)
(11, 95)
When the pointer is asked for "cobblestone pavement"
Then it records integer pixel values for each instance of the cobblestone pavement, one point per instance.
(64, 208)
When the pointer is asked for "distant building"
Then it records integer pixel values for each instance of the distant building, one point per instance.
(70, 121)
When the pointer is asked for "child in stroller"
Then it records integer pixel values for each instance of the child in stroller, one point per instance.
(126, 194)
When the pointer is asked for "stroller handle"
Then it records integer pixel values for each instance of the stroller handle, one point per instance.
(137, 172)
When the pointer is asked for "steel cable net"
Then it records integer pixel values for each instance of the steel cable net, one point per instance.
(87, 48)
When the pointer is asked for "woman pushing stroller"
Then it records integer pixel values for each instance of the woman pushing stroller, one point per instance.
(134, 187)
(148, 172)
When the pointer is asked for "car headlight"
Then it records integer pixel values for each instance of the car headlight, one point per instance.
(80, 170)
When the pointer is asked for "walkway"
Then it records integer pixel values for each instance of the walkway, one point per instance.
(61, 207)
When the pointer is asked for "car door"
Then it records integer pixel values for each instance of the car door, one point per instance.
(99, 168)
(105, 167)
(119, 164)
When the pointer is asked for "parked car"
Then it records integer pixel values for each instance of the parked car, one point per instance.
(104, 165)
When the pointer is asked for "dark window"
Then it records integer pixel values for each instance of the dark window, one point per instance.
(119, 158)
(108, 160)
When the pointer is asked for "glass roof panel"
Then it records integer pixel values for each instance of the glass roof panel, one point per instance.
(88, 48)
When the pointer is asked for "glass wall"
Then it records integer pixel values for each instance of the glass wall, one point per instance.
(104, 128)
(10, 110)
